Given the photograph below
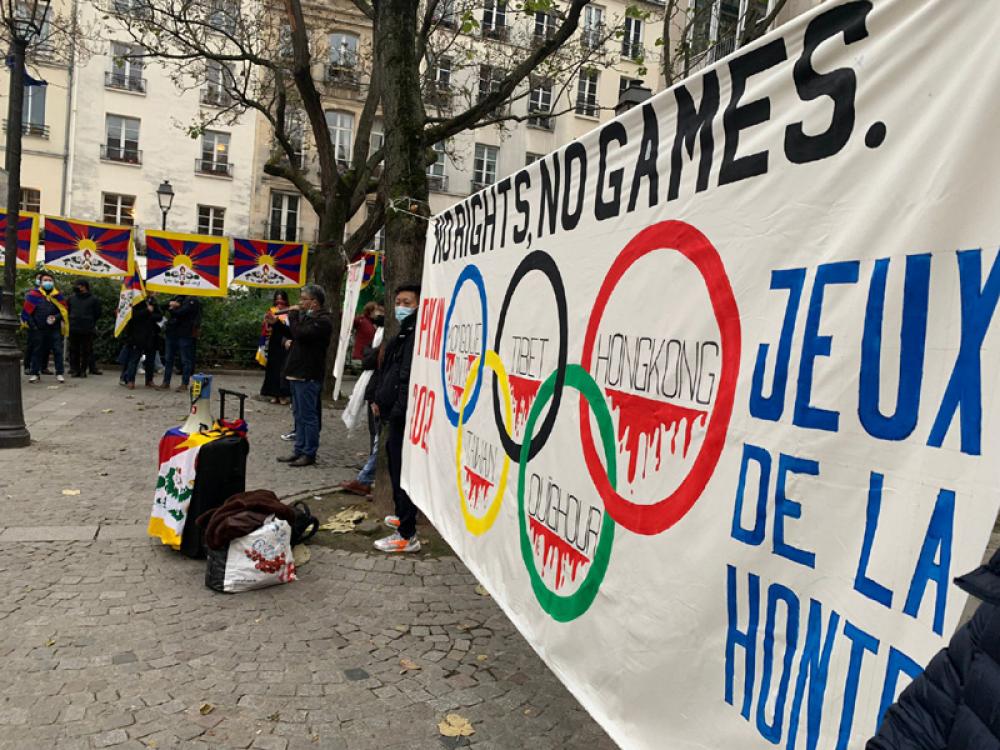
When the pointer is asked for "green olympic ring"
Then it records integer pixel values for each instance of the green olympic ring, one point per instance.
(565, 608)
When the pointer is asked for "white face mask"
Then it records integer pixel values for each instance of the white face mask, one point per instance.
(402, 313)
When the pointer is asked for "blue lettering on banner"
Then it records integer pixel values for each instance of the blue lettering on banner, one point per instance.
(785, 507)
(862, 583)
(775, 593)
(762, 458)
(771, 407)
(861, 642)
(964, 391)
(934, 563)
(747, 640)
(814, 669)
(899, 663)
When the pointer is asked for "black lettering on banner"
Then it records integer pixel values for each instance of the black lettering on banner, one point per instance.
(548, 201)
(646, 164)
(502, 189)
(476, 229)
(459, 230)
(840, 84)
(489, 218)
(439, 236)
(739, 117)
(693, 122)
(575, 151)
(613, 131)
(522, 180)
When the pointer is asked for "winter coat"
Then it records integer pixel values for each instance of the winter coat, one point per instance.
(182, 321)
(84, 310)
(310, 335)
(240, 515)
(364, 332)
(955, 703)
(143, 328)
(390, 386)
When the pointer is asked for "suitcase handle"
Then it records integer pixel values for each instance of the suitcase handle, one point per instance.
(242, 397)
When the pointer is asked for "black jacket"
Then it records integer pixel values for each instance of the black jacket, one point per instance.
(390, 385)
(142, 328)
(310, 335)
(84, 310)
(955, 703)
(182, 321)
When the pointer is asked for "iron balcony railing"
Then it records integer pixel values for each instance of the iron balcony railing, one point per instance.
(212, 167)
(124, 154)
(124, 81)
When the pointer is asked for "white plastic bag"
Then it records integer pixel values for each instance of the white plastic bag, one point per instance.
(355, 409)
(260, 559)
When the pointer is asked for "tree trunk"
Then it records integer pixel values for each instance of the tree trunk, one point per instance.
(328, 271)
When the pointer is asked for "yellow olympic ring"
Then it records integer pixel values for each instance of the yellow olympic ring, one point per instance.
(475, 524)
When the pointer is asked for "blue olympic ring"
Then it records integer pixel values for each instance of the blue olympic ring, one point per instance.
(469, 273)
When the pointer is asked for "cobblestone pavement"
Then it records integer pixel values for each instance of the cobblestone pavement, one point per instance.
(110, 640)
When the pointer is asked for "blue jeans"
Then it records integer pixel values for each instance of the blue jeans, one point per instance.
(49, 340)
(136, 353)
(305, 409)
(182, 346)
(367, 475)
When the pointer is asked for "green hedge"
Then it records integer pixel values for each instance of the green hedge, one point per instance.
(230, 325)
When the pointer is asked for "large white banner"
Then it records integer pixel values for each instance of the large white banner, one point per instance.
(707, 399)
(352, 291)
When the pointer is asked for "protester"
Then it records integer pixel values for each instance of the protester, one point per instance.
(955, 703)
(184, 314)
(308, 331)
(84, 312)
(390, 390)
(141, 335)
(362, 484)
(273, 353)
(372, 316)
(31, 339)
(45, 311)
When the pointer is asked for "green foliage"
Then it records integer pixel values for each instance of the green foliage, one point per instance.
(230, 326)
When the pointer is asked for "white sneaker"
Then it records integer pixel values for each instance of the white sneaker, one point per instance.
(392, 522)
(396, 543)
(60, 378)
(32, 378)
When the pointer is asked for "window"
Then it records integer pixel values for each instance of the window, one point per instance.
(439, 83)
(118, 209)
(217, 77)
(436, 178)
(632, 41)
(296, 135)
(126, 68)
(540, 101)
(343, 50)
(484, 168)
(214, 154)
(122, 142)
(586, 93)
(495, 19)
(490, 78)
(624, 82)
(444, 13)
(377, 137)
(442, 72)
(223, 15)
(341, 125)
(284, 223)
(134, 8)
(33, 119)
(530, 158)
(211, 220)
(377, 242)
(38, 16)
(545, 25)
(593, 26)
(31, 200)
(718, 24)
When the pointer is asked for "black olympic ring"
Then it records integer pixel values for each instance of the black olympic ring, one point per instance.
(537, 260)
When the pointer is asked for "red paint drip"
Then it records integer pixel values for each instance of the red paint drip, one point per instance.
(522, 391)
(556, 550)
(479, 487)
(639, 416)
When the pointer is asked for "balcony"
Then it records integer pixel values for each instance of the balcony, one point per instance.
(633, 50)
(437, 182)
(500, 33)
(592, 38)
(213, 168)
(343, 75)
(478, 185)
(216, 97)
(121, 154)
(124, 82)
(283, 232)
(438, 94)
(34, 129)
(541, 119)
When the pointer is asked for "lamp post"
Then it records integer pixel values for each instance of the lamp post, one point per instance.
(634, 95)
(23, 25)
(165, 197)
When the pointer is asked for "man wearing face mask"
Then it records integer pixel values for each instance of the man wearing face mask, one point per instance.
(31, 339)
(45, 312)
(84, 311)
(308, 334)
(392, 388)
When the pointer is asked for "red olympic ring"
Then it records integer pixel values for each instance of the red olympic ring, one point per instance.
(693, 245)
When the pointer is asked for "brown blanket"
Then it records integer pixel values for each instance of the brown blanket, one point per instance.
(241, 514)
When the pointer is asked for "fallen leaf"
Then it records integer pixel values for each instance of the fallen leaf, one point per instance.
(454, 725)
(276, 716)
(151, 743)
(344, 522)
(50, 642)
(205, 709)
(408, 665)
(301, 554)
(53, 387)
(71, 493)
(106, 411)
(482, 657)
(481, 590)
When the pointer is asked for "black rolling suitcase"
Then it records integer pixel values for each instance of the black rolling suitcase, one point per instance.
(222, 473)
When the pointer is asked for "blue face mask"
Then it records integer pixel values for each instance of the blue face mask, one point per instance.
(48, 286)
(402, 313)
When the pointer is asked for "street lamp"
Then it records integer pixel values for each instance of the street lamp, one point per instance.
(23, 22)
(634, 95)
(165, 197)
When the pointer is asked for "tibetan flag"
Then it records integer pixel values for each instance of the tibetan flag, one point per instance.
(86, 248)
(372, 258)
(275, 265)
(27, 239)
(132, 291)
(187, 264)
